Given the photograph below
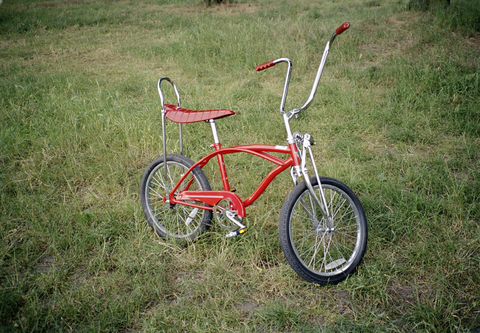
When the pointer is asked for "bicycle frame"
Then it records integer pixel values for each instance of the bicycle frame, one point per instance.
(213, 197)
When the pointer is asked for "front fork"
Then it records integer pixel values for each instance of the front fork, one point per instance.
(306, 141)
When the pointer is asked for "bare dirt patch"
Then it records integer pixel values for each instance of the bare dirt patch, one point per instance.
(223, 9)
(400, 41)
(405, 295)
(236, 8)
(56, 4)
(473, 42)
(46, 264)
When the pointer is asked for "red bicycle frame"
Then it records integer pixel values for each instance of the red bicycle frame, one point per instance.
(213, 197)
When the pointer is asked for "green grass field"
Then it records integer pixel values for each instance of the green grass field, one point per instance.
(396, 117)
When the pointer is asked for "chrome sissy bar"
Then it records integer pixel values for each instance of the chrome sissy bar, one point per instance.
(164, 128)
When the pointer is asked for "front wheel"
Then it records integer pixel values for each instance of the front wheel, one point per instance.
(323, 250)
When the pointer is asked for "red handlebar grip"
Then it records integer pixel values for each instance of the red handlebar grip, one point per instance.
(265, 66)
(342, 28)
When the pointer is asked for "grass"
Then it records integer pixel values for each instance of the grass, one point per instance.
(396, 117)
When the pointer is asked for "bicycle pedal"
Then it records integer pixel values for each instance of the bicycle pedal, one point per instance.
(236, 232)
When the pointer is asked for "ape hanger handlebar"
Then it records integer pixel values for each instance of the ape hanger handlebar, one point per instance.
(271, 63)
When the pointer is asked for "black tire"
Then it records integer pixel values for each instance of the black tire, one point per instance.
(319, 253)
(177, 222)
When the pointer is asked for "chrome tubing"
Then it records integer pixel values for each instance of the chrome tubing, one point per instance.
(338, 31)
(287, 81)
(160, 93)
(316, 81)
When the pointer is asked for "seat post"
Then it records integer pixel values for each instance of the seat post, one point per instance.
(214, 130)
(221, 162)
(181, 138)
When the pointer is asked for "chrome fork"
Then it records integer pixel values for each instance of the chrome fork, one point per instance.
(305, 141)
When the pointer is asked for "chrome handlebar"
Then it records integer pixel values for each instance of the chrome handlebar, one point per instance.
(266, 65)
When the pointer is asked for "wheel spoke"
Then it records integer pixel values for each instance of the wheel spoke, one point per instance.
(317, 246)
(344, 246)
(326, 252)
(158, 194)
(158, 181)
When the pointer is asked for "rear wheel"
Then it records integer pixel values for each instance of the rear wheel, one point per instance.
(174, 221)
(323, 250)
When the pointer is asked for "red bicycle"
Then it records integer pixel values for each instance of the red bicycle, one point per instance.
(322, 227)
